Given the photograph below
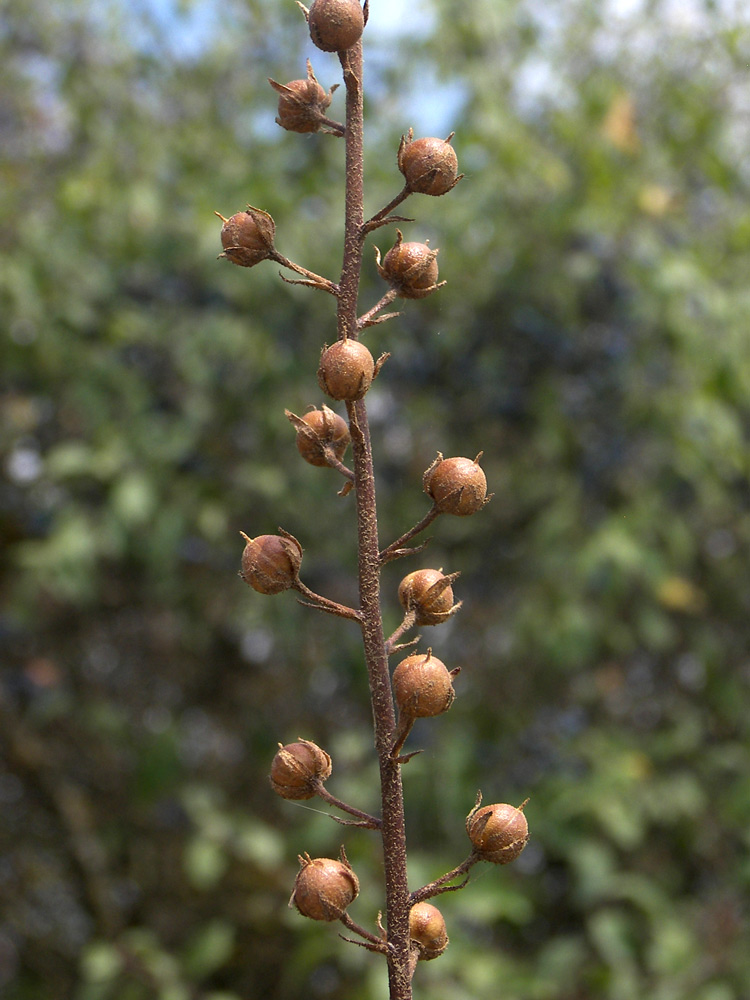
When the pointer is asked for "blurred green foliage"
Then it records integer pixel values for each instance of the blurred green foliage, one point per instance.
(593, 341)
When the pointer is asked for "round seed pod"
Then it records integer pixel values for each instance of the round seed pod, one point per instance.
(270, 563)
(498, 832)
(430, 166)
(328, 430)
(324, 888)
(302, 103)
(422, 686)
(346, 370)
(427, 928)
(457, 485)
(410, 268)
(335, 25)
(298, 768)
(427, 593)
(247, 237)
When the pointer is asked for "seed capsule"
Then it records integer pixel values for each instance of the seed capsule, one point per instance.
(270, 563)
(324, 887)
(346, 370)
(430, 166)
(298, 768)
(335, 25)
(409, 268)
(498, 832)
(427, 928)
(422, 686)
(457, 485)
(302, 103)
(429, 594)
(247, 237)
(323, 430)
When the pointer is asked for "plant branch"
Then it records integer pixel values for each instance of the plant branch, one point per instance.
(393, 550)
(440, 884)
(371, 822)
(325, 604)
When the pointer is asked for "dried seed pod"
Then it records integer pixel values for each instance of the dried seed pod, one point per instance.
(430, 166)
(302, 103)
(457, 485)
(346, 370)
(428, 593)
(422, 686)
(298, 769)
(498, 832)
(270, 563)
(409, 268)
(335, 25)
(324, 887)
(427, 928)
(323, 430)
(247, 237)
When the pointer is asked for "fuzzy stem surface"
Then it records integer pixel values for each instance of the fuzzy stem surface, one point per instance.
(393, 829)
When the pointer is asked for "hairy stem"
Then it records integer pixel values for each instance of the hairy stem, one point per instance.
(393, 830)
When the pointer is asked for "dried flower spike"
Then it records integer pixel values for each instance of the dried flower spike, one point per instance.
(498, 832)
(298, 769)
(324, 887)
(409, 268)
(319, 433)
(427, 929)
(270, 563)
(457, 485)
(428, 593)
(335, 25)
(346, 370)
(247, 237)
(422, 686)
(302, 103)
(430, 166)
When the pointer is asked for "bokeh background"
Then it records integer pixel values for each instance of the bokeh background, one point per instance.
(593, 340)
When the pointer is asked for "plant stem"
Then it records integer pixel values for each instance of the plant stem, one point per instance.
(393, 829)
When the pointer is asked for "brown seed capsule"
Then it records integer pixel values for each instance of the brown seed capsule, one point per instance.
(422, 686)
(457, 485)
(498, 832)
(298, 768)
(346, 370)
(429, 594)
(427, 928)
(247, 237)
(270, 563)
(430, 166)
(409, 268)
(335, 25)
(324, 432)
(324, 887)
(302, 103)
